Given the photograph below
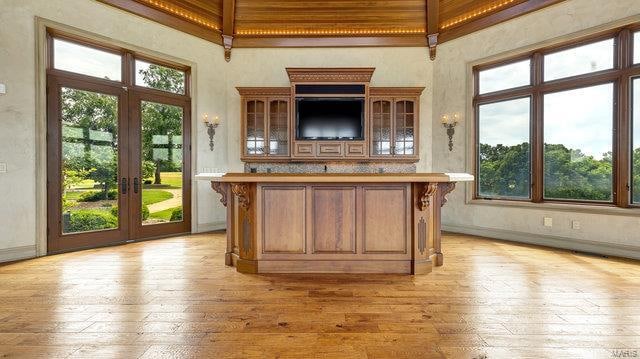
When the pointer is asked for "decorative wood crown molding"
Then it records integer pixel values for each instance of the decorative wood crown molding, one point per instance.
(396, 91)
(264, 91)
(346, 74)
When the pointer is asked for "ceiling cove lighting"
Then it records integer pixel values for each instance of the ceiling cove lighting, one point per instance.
(331, 32)
(182, 13)
(475, 13)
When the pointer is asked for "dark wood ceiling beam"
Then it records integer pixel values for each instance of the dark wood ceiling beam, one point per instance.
(166, 19)
(337, 41)
(228, 19)
(433, 25)
(495, 18)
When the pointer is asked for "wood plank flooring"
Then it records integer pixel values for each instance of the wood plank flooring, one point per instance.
(175, 298)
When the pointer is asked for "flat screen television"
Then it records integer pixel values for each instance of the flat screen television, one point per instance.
(324, 118)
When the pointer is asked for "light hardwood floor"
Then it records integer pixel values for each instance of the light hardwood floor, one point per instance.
(175, 298)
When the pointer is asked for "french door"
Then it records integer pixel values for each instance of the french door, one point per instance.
(118, 163)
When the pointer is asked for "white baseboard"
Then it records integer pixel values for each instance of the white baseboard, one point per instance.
(609, 249)
(17, 253)
(212, 226)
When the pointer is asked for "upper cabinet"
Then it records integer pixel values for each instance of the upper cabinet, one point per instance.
(388, 130)
(265, 123)
(394, 121)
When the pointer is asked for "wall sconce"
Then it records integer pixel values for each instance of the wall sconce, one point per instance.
(211, 128)
(449, 122)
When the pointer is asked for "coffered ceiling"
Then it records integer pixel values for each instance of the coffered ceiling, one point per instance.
(295, 23)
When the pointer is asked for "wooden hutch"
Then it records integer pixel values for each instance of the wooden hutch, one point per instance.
(391, 119)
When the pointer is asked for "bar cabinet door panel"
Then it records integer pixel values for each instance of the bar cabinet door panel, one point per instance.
(255, 135)
(381, 127)
(404, 128)
(278, 127)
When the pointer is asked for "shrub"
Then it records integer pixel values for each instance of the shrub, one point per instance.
(91, 220)
(145, 212)
(148, 169)
(94, 196)
(176, 215)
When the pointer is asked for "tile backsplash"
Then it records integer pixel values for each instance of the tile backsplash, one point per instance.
(303, 167)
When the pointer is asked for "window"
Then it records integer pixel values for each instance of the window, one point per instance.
(69, 56)
(578, 143)
(505, 77)
(504, 151)
(579, 60)
(160, 77)
(558, 137)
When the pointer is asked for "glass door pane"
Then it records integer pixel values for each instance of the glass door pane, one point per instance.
(278, 128)
(381, 127)
(255, 127)
(89, 161)
(404, 128)
(161, 169)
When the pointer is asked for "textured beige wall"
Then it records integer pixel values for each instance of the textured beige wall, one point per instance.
(18, 106)
(266, 67)
(452, 79)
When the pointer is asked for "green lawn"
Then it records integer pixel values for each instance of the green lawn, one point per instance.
(173, 179)
(168, 180)
(73, 195)
(151, 196)
(166, 214)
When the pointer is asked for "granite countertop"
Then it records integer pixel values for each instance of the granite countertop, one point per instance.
(335, 177)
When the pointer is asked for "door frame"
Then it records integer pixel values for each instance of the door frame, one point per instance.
(138, 231)
(42, 64)
(90, 239)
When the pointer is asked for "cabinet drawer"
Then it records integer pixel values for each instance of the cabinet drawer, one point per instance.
(355, 150)
(330, 149)
(304, 149)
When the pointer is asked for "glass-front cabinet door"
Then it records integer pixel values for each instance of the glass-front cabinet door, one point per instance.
(393, 127)
(278, 127)
(266, 127)
(255, 129)
(381, 127)
(404, 116)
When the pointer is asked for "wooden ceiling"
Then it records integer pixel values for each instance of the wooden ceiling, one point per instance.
(286, 23)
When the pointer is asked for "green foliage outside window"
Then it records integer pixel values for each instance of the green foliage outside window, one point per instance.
(568, 173)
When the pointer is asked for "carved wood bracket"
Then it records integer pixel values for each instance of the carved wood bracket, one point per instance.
(426, 195)
(221, 188)
(227, 42)
(242, 191)
(445, 189)
(432, 42)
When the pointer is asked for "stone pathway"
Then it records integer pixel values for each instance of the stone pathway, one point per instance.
(176, 201)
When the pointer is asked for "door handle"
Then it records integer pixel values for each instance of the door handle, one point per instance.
(123, 185)
(136, 184)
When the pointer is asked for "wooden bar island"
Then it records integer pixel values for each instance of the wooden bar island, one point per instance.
(334, 223)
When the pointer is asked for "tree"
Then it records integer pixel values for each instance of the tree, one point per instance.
(90, 135)
(568, 173)
(162, 124)
(504, 170)
(90, 130)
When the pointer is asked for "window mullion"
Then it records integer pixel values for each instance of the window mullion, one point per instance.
(537, 130)
(622, 122)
